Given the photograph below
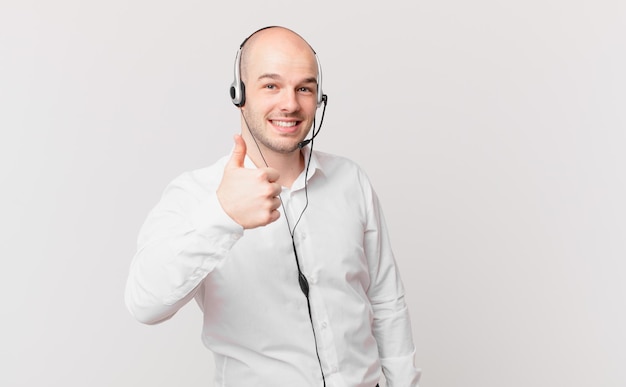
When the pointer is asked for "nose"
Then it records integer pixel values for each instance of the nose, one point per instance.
(289, 101)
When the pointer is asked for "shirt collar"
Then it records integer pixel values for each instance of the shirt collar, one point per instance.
(314, 167)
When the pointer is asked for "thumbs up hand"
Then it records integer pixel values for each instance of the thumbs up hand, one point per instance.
(249, 196)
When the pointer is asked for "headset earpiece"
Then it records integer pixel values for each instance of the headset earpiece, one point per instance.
(237, 89)
(238, 94)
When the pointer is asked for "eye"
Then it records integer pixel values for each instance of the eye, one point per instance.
(305, 89)
(270, 86)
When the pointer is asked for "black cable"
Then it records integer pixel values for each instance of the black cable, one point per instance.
(302, 281)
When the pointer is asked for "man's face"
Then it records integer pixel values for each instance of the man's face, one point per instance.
(281, 94)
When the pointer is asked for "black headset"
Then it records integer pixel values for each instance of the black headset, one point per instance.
(238, 89)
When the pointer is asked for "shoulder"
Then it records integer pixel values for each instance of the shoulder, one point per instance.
(334, 165)
(333, 161)
(199, 181)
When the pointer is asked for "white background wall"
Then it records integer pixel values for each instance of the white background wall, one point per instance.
(494, 131)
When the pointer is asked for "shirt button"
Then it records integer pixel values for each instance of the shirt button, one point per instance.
(324, 325)
(313, 280)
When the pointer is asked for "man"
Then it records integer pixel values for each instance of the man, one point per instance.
(284, 249)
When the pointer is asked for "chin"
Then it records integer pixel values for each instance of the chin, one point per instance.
(283, 147)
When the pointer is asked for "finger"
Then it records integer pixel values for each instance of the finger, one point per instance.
(274, 215)
(276, 190)
(272, 174)
(275, 202)
(239, 153)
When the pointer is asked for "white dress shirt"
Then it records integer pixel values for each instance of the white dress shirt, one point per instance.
(256, 319)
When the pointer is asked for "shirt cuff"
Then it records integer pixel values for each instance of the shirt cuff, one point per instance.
(401, 371)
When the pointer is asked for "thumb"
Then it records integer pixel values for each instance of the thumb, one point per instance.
(239, 153)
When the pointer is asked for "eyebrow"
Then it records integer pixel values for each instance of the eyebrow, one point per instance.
(277, 77)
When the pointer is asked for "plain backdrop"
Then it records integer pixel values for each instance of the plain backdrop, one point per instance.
(493, 131)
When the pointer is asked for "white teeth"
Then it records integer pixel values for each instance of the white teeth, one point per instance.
(284, 124)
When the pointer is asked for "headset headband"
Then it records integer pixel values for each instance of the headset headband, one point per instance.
(238, 89)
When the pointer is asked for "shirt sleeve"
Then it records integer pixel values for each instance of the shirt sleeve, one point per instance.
(185, 236)
(391, 324)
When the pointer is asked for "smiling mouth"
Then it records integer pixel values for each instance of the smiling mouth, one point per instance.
(285, 124)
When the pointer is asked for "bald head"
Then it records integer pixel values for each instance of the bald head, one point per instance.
(276, 43)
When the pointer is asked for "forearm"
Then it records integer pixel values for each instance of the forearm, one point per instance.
(177, 247)
(163, 278)
(392, 330)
